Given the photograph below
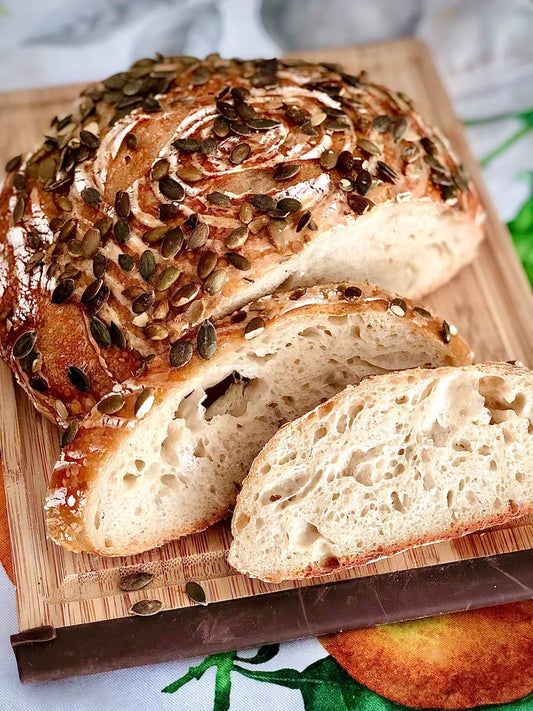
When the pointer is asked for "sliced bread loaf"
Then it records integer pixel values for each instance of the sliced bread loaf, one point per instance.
(137, 476)
(401, 460)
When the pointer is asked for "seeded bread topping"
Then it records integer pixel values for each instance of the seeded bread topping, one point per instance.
(171, 190)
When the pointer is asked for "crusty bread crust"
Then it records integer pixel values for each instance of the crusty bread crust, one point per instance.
(250, 484)
(45, 214)
(101, 436)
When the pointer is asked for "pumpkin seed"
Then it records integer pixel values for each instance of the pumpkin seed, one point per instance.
(63, 291)
(91, 291)
(100, 332)
(91, 196)
(460, 178)
(90, 243)
(227, 110)
(187, 145)
(70, 272)
(359, 203)
(385, 172)
(167, 211)
(79, 379)
(198, 236)
(71, 431)
(24, 344)
(184, 294)
(159, 169)
(104, 225)
(172, 243)
(298, 115)
(47, 169)
(131, 292)
(131, 141)
(95, 304)
(74, 247)
(118, 338)
(63, 202)
(363, 181)
(217, 198)
(238, 261)
(121, 230)
(346, 185)
(382, 123)
(422, 312)
(145, 608)
(237, 238)
(19, 182)
(445, 332)
(286, 171)
(126, 262)
(303, 221)
(122, 204)
(206, 264)
(246, 213)
(209, 146)
(111, 404)
(160, 310)
(352, 293)
(33, 240)
(328, 159)
(240, 153)
(193, 312)
(135, 581)
(142, 302)
(220, 127)
(13, 163)
(99, 265)
(368, 146)
(200, 76)
(206, 340)
(171, 189)
(345, 162)
(244, 110)
(89, 139)
(144, 402)
(289, 205)
(318, 118)
(156, 332)
(254, 327)
(196, 593)
(262, 124)
(400, 128)
(215, 281)
(61, 409)
(180, 353)
(68, 229)
(150, 105)
(398, 307)
(18, 210)
(38, 383)
(263, 202)
(167, 278)
(154, 235)
(147, 264)
(34, 261)
(189, 174)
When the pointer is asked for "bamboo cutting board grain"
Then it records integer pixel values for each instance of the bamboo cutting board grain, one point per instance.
(490, 303)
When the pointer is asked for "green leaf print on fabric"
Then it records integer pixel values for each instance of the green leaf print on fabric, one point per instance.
(521, 229)
(324, 684)
(525, 118)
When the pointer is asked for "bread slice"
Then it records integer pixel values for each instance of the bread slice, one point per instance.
(130, 482)
(401, 460)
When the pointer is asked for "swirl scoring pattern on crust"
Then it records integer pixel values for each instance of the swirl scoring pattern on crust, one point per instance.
(173, 187)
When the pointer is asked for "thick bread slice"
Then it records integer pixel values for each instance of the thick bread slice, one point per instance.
(127, 484)
(401, 460)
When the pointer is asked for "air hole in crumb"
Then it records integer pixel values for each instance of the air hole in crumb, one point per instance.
(520, 477)
(396, 503)
(169, 480)
(138, 511)
(240, 522)
(493, 466)
(449, 498)
(97, 520)
(129, 479)
(140, 464)
(497, 504)
(108, 542)
(485, 450)
(429, 482)
(401, 400)
(319, 434)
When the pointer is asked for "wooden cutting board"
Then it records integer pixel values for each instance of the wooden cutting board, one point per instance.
(73, 603)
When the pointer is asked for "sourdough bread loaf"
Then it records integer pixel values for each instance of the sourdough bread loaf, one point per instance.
(164, 455)
(400, 460)
(181, 189)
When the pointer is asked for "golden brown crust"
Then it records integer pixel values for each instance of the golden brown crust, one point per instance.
(47, 203)
(101, 435)
(458, 661)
